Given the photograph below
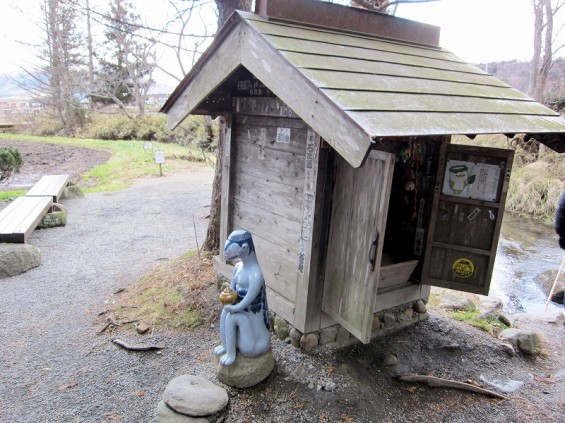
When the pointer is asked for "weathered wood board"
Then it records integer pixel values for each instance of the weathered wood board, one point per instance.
(397, 84)
(359, 211)
(326, 49)
(334, 37)
(21, 217)
(49, 185)
(267, 183)
(431, 103)
(358, 66)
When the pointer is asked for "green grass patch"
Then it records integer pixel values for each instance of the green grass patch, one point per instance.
(179, 294)
(6, 196)
(128, 162)
(491, 326)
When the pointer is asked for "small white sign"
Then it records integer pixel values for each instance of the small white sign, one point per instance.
(283, 135)
(159, 157)
(148, 146)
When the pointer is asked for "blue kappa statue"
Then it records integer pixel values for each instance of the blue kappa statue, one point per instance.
(244, 326)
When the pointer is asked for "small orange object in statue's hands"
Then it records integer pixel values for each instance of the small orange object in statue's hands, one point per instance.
(228, 296)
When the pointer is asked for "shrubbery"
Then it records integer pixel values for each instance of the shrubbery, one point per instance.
(10, 162)
(197, 130)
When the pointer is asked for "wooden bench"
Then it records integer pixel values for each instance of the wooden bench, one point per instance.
(49, 185)
(20, 218)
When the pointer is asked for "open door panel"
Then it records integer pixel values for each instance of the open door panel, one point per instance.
(359, 211)
(468, 206)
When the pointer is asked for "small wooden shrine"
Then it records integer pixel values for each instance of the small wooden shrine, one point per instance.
(336, 156)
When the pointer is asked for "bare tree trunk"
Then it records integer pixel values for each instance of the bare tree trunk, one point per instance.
(542, 60)
(384, 6)
(547, 61)
(89, 48)
(226, 8)
(212, 241)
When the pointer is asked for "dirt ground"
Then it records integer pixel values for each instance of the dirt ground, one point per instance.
(353, 384)
(43, 159)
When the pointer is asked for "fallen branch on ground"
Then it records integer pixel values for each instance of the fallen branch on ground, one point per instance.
(136, 347)
(109, 322)
(437, 382)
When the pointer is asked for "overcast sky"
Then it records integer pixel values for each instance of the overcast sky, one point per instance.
(477, 31)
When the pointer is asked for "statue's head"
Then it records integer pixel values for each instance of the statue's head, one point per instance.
(238, 245)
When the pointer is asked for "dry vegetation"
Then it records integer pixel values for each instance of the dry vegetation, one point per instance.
(177, 294)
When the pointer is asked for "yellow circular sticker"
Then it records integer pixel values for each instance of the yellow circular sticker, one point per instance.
(463, 267)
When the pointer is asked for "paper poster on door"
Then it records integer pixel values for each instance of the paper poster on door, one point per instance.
(478, 181)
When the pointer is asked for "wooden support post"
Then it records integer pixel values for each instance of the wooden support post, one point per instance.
(307, 312)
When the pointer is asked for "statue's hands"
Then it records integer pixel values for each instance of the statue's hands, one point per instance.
(230, 308)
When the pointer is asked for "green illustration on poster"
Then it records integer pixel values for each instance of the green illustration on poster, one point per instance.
(478, 181)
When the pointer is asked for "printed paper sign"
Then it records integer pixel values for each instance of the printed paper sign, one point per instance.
(283, 135)
(478, 181)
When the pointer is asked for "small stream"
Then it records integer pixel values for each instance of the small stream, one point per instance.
(526, 249)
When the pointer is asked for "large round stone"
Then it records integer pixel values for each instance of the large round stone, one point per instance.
(72, 191)
(281, 328)
(18, 258)
(245, 371)
(527, 341)
(194, 396)
(309, 342)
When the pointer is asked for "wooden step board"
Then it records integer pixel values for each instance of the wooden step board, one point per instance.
(21, 216)
(49, 185)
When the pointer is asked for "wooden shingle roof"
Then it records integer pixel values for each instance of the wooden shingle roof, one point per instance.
(354, 88)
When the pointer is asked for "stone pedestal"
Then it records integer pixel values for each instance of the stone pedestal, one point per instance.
(246, 372)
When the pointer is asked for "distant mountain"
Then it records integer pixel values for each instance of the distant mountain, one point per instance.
(517, 74)
(8, 88)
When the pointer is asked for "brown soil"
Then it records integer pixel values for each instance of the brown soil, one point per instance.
(50, 159)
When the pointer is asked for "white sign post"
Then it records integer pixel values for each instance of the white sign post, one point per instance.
(160, 159)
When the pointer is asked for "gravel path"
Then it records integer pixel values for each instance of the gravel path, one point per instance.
(54, 366)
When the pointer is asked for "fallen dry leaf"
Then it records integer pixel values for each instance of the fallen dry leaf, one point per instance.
(113, 417)
(66, 386)
(140, 393)
(302, 404)
(411, 389)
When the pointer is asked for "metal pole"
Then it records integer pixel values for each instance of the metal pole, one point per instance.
(554, 284)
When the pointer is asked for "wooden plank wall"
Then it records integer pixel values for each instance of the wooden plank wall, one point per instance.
(267, 186)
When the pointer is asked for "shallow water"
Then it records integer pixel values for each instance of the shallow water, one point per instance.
(526, 249)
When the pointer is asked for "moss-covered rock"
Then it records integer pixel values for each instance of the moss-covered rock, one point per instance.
(56, 218)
